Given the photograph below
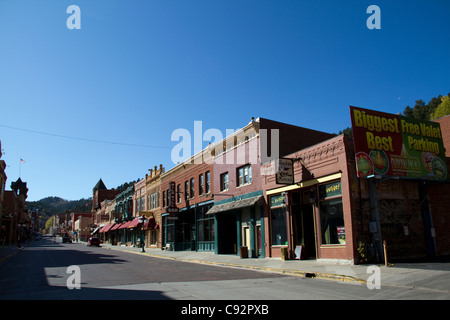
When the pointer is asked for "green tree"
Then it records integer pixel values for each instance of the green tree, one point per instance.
(49, 223)
(422, 110)
(442, 109)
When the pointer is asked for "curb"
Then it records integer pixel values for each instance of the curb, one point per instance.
(304, 274)
(5, 258)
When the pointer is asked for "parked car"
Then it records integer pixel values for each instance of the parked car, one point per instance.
(93, 242)
(67, 238)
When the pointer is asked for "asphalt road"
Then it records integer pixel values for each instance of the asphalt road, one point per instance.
(41, 271)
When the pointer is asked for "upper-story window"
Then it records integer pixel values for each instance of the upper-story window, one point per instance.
(224, 181)
(178, 193)
(208, 182)
(186, 190)
(192, 192)
(201, 184)
(244, 175)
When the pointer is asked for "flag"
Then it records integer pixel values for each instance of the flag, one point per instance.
(21, 160)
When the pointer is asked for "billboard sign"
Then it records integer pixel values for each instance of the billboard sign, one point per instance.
(393, 145)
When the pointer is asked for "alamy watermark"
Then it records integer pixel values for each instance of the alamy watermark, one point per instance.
(74, 20)
(236, 147)
(74, 280)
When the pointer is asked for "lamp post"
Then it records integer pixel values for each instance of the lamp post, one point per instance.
(141, 221)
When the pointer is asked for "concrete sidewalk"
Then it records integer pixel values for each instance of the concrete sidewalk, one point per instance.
(433, 276)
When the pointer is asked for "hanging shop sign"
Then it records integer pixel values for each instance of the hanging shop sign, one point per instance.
(172, 208)
(284, 171)
(394, 145)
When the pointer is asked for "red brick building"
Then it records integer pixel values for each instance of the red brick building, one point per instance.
(328, 213)
(186, 196)
(445, 129)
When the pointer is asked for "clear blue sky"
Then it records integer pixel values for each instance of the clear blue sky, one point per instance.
(137, 70)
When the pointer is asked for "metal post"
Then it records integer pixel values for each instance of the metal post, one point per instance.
(374, 225)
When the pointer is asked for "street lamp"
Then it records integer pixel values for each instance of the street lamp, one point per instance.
(141, 221)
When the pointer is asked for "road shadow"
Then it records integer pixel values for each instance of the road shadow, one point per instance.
(63, 293)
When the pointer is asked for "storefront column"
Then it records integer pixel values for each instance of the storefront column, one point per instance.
(291, 244)
(216, 235)
(263, 233)
(239, 231)
(253, 253)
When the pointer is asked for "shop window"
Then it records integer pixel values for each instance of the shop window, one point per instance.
(279, 227)
(152, 238)
(332, 221)
(205, 225)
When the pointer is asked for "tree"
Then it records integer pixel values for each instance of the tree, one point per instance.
(347, 131)
(423, 111)
(442, 109)
(49, 223)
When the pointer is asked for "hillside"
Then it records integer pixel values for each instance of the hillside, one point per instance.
(53, 205)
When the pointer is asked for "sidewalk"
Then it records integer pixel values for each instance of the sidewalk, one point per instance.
(8, 251)
(422, 276)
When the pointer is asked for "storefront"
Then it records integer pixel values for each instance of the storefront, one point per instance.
(239, 223)
(189, 229)
(310, 220)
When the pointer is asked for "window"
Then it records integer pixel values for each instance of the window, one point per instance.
(200, 184)
(152, 238)
(192, 188)
(208, 182)
(332, 221)
(224, 181)
(164, 199)
(186, 190)
(205, 225)
(153, 201)
(244, 175)
(279, 227)
(178, 193)
(331, 213)
(167, 197)
(138, 204)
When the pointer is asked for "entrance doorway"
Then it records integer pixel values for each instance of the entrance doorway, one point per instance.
(304, 230)
(226, 233)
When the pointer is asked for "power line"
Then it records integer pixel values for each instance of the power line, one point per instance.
(84, 139)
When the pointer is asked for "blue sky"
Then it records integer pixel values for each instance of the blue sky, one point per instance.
(138, 70)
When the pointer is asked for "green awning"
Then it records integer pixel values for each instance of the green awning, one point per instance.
(237, 204)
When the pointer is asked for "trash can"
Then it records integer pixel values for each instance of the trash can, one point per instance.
(284, 254)
(243, 252)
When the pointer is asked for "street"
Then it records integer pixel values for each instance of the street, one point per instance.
(41, 271)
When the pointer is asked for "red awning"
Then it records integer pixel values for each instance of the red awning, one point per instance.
(106, 228)
(150, 224)
(133, 223)
(124, 225)
(116, 226)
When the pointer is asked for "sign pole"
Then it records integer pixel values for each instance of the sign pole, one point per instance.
(374, 225)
